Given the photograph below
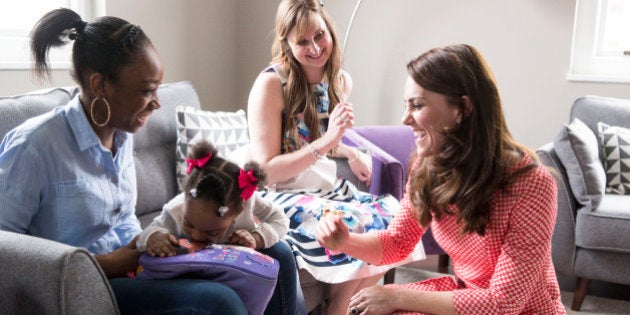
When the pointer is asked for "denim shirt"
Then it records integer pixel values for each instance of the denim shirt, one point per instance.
(58, 182)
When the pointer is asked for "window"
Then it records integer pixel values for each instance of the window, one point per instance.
(601, 41)
(16, 24)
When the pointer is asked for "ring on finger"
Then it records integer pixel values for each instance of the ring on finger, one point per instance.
(354, 310)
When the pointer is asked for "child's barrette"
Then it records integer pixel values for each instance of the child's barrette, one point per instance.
(194, 193)
(223, 210)
(199, 163)
(248, 183)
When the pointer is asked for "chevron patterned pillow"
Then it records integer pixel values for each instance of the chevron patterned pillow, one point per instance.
(227, 131)
(616, 147)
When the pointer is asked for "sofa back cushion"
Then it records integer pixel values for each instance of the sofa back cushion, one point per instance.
(592, 109)
(154, 150)
(14, 110)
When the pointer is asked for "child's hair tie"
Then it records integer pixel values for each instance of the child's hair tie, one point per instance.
(248, 183)
(199, 163)
(223, 210)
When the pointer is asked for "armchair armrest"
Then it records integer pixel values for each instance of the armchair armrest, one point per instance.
(40, 276)
(388, 173)
(563, 241)
(392, 147)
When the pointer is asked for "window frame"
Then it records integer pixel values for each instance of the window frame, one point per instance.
(14, 44)
(586, 64)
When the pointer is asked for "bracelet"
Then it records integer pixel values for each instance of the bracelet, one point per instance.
(315, 153)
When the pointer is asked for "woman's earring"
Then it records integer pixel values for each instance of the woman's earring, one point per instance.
(109, 112)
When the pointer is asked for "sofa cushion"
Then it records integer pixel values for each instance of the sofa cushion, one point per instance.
(154, 150)
(615, 141)
(227, 131)
(16, 109)
(578, 150)
(605, 228)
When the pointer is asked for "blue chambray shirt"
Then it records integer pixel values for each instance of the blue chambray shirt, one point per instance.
(58, 182)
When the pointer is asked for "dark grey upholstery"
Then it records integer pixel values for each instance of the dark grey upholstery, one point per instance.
(43, 277)
(154, 151)
(39, 276)
(591, 243)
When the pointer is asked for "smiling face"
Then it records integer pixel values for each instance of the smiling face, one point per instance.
(428, 114)
(133, 96)
(202, 222)
(313, 48)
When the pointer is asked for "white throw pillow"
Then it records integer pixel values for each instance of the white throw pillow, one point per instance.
(615, 141)
(227, 131)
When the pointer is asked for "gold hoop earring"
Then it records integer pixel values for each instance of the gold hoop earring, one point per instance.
(109, 112)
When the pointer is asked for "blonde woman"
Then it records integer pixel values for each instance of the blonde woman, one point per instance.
(298, 113)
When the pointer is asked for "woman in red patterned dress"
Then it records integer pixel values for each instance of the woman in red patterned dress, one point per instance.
(490, 204)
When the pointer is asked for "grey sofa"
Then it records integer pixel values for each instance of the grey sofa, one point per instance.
(42, 276)
(591, 239)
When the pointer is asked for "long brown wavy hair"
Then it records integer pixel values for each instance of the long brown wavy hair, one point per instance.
(477, 154)
(298, 96)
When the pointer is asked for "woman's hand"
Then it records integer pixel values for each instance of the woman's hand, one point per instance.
(361, 166)
(161, 244)
(331, 232)
(373, 300)
(242, 238)
(121, 261)
(341, 118)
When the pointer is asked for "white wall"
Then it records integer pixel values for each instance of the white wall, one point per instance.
(195, 38)
(527, 43)
(221, 45)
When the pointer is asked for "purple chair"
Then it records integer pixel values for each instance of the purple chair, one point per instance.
(391, 148)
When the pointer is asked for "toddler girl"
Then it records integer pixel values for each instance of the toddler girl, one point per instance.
(220, 205)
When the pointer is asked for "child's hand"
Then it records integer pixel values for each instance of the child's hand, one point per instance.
(161, 244)
(243, 238)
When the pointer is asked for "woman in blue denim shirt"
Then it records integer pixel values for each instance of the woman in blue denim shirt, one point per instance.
(69, 175)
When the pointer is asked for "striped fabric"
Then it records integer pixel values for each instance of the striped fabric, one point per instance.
(362, 213)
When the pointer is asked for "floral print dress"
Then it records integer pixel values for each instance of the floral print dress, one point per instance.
(304, 206)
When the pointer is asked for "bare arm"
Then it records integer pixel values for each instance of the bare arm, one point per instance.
(264, 108)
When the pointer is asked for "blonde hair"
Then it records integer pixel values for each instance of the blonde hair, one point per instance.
(298, 96)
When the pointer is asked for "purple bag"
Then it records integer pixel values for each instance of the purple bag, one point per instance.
(250, 274)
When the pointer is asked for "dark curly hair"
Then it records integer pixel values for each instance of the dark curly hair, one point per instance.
(217, 180)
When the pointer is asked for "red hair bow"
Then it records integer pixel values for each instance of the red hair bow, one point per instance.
(200, 162)
(248, 183)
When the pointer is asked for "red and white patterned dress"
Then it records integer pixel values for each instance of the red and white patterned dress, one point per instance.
(507, 271)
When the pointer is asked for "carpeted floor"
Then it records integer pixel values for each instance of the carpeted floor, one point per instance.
(591, 305)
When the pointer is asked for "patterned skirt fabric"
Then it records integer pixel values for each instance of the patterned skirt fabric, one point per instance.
(361, 211)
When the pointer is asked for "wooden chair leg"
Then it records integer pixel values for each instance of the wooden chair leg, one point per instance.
(389, 276)
(580, 293)
(443, 261)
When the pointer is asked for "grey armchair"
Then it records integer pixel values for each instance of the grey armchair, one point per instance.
(45, 277)
(591, 239)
